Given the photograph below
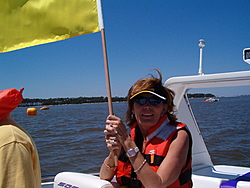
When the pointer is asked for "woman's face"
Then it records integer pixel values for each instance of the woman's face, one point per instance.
(147, 115)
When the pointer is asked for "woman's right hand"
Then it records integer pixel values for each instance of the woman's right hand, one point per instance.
(112, 140)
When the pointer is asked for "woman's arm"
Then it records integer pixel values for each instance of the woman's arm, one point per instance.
(108, 168)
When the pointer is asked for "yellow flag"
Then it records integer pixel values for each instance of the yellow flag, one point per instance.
(25, 23)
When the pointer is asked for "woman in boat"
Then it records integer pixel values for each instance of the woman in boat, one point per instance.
(19, 161)
(157, 150)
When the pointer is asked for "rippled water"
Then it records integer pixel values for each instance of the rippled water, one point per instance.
(70, 137)
(225, 127)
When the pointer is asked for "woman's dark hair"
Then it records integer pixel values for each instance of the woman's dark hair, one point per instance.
(150, 83)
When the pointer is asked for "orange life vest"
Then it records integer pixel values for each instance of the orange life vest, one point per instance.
(157, 145)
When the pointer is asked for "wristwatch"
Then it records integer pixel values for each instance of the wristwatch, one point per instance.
(132, 152)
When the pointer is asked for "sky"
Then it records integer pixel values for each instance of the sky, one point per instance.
(140, 35)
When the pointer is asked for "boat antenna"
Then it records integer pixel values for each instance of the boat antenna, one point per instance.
(201, 45)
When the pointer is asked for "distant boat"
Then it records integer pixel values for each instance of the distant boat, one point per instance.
(212, 100)
(45, 108)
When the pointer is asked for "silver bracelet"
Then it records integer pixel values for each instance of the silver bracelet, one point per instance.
(143, 163)
(109, 167)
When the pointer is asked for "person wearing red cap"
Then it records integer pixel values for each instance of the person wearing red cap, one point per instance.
(157, 150)
(19, 161)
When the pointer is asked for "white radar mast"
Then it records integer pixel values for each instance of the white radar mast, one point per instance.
(201, 45)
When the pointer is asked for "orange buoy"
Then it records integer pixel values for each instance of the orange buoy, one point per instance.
(31, 111)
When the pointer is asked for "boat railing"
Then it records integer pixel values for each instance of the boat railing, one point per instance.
(48, 178)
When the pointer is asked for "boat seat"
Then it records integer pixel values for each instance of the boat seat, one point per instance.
(79, 180)
(214, 176)
(204, 176)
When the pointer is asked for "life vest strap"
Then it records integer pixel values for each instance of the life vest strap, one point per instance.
(185, 177)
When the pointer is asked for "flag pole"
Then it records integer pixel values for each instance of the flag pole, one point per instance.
(105, 56)
(104, 48)
(107, 80)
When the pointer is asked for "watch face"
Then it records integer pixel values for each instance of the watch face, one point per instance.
(131, 152)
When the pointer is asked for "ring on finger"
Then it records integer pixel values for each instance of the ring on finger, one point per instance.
(112, 142)
(111, 125)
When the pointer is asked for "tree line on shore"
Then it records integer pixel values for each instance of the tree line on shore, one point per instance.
(81, 100)
(61, 101)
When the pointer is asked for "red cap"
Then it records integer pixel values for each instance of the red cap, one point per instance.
(9, 100)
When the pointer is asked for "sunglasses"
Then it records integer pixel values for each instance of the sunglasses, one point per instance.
(151, 101)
